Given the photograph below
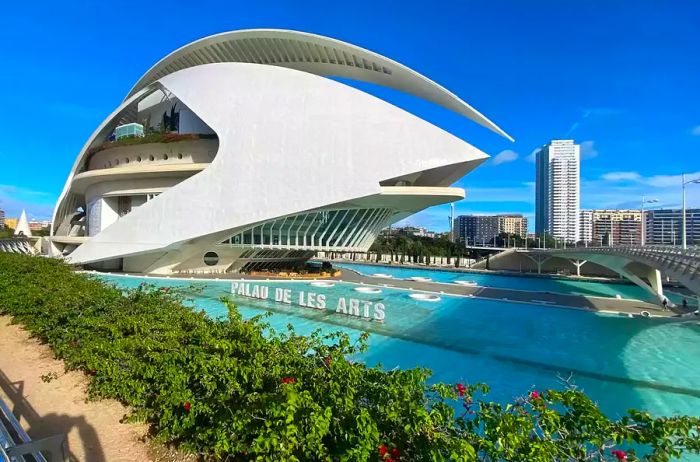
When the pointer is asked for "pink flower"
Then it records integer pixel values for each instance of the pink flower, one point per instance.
(460, 389)
(534, 394)
(621, 455)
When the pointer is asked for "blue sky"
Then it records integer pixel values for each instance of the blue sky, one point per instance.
(622, 78)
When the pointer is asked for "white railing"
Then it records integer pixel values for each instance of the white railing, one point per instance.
(673, 259)
(17, 245)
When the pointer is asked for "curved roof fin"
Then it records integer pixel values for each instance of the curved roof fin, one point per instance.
(315, 54)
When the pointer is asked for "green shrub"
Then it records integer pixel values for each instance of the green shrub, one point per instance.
(231, 390)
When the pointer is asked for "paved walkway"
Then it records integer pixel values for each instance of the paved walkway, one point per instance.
(94, 431)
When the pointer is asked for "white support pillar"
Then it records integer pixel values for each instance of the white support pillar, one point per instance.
(539, 260)
(578, 264)
(654, 285)
(654, 277)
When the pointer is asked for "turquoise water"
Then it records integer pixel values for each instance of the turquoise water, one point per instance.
(620, 362)
(540, 284)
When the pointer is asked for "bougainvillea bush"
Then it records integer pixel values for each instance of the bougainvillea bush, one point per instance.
(231, 389)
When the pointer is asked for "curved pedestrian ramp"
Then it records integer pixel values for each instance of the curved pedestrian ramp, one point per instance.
(643, 262)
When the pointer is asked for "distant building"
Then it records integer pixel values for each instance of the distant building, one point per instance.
(558, 190)
(611, 227)
(37, 225)
(2, 219)
(482, 229)
(411, 231)
(665, 226)
(586, 226)
(512, 224)
(11, 223)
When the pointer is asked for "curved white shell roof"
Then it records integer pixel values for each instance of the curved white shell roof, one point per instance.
(311, 53)
(282, 150)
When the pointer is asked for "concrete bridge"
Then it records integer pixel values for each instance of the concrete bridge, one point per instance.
(23, 245)
(642, 265)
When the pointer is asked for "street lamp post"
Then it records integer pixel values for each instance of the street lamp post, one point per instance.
(644, 222)
(696, 180)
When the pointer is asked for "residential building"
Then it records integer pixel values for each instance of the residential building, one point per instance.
(38, 225)
(611, 227)
(412, 231)
(261, 172)
(476, 229)
(664, 226)
(482, 229)
(586, 226)
(11, 223)
(2, 219)
(558, 190)
(512, 224)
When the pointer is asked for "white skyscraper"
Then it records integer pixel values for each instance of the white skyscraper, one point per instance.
(558, 190)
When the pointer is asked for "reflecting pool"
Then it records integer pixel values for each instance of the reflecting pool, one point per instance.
(620, 362)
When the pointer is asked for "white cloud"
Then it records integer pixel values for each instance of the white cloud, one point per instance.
(533, 155)
(625, 190)
(621, 176)
(504, 157)
(695, 130)
(656, 181)
(588, 150)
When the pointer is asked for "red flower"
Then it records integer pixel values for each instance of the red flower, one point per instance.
(395, 453)
(382, 451)
(389, 459)
(288, 380)
(619, 454)
(534, 394)
(461, 389)
(187, 406)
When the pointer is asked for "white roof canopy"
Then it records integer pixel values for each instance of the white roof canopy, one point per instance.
(311, 53)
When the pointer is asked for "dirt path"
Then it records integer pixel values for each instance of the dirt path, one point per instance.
(94, 431)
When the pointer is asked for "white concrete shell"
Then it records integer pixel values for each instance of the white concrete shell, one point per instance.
(291, 144)
(314, 54)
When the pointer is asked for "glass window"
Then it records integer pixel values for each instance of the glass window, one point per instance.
(211, 258)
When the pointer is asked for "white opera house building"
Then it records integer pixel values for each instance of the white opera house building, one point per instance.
(238, 152)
